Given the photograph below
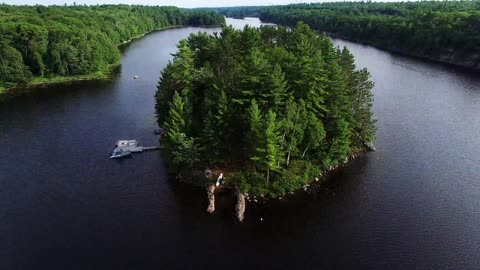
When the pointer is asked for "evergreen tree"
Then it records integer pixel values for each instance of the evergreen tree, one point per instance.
(363, 122)
(181, 149)
(294, 124)
(254, 136)
(216, 128)
(275, 91)
(270, 152)
(175, 122)
(340, 146)
(253, 82)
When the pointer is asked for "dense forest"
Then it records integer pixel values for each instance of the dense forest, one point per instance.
(39, 41)
(270, 108)
(447, 31)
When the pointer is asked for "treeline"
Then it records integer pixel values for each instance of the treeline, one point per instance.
(240, 12)
(441, 30)
(78, 40)
(271, 108)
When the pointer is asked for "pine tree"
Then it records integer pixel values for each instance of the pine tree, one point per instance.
(177, 77)
(270, 152)
(175, 122)
(253, 137)
(347, 61)
(362, 100)
(255, 71)
(165, 90)
(339, 104)
(181, 149)
(215, 133)
(293, 125)
(340, 146)
(275, 91)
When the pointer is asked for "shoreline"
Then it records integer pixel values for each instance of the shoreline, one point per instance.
(144, 34)
(240, 198)
(426, 58)
(206, 182)
(453, 63)
(10, 92)
(317, 181)
(7, 90)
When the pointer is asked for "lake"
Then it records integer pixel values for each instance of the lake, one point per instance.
(414, 203)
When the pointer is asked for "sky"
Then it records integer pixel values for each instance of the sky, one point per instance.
(178, 3)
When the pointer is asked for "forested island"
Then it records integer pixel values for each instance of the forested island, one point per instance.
(40, 44)
(445, 31)
(271, 109)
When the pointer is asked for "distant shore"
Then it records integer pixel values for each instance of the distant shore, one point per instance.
(471, 63)
(6, 89)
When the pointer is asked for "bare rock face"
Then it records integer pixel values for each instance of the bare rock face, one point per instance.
(240, 207)
(370, 146)
(211, 198)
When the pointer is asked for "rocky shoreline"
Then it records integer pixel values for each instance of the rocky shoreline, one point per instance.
(242, 199)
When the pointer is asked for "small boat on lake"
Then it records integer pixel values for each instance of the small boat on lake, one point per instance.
(159, 131)
(126, 143)
(124, 148)
(135, 77)
(119, 153)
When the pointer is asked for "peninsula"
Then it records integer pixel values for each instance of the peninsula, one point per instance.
(42, 45)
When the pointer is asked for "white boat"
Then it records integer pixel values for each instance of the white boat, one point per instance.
(119, 153)
(135, 77)
(125, 143)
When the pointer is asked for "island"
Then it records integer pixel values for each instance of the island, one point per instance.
(264, 111)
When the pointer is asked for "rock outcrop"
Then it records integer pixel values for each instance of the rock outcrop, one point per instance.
(240, 207)
(370, 146)
(211, 198)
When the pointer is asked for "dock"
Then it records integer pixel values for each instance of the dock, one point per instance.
(125, 147)
(137, 149)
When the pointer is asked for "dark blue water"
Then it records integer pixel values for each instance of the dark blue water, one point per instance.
(415, 203)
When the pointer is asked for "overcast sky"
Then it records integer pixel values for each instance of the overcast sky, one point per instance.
(178, 3)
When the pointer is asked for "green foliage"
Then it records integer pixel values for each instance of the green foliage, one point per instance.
(74, 41)
(268, 153)
(252, 183)
(182, 150)
(298, 174)
(254, 134)
(271, 107)
(424, 28)
(12, 68)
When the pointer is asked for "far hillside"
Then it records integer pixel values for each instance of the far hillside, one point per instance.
(58, 43)
(446, 31)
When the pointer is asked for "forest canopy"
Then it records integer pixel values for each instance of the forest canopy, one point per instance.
(39, 41)
(272, 107)
(447, 31)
